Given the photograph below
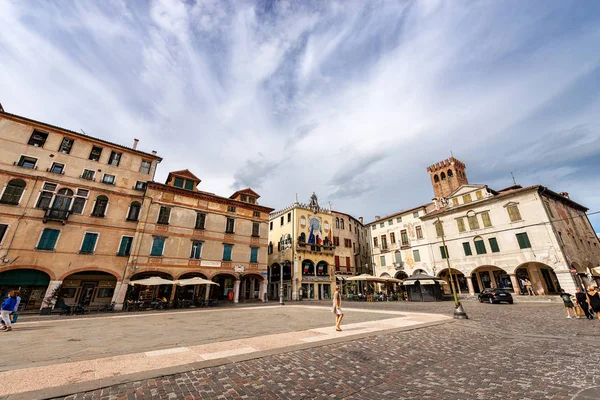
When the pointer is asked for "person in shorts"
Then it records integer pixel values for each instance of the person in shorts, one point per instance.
(337, 308)
(569, 306)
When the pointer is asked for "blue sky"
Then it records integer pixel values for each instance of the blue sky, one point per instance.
(351, 100)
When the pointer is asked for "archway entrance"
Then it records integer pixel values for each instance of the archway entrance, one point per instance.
(250, 287)
(226, 282)
(87, 288)
(192, 294)
(460, 282)
(31, 282)
(147, 294)
(581, 276)
(275, 280)
(418, 272)
(542, 277)
(489, 276)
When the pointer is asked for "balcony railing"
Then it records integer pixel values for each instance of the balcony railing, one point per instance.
(317, 248)
(54, 214)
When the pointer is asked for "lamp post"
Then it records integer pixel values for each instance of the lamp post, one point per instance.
(285, 245)
(459, 313)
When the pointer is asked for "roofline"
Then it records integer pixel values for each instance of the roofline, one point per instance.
(44, 124)
(398, 213)
(558, 196)
(348, 215)
(225, 200)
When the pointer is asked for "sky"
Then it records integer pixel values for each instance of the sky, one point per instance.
(349, 99)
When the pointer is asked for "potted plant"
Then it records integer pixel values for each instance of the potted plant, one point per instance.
(49, 302)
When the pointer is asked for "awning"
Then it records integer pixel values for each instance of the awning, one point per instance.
(153, 281)
(24, 277)
(427, 282)
(408, 283)
(195, 281)
(340, 278)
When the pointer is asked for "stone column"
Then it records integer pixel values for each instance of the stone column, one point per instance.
(207, 293)
(262, 290)
(515, 283)
(173, 291)
(470, 285)
(120, 293)
(48, 300)
(236, 291)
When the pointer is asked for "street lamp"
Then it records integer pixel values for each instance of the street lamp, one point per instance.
(284, 245)
(459, 313)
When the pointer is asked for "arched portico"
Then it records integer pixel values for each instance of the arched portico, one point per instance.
(150, 293)
(88, 288)
(251, 287)
(418, 272)
(490, 276)
(542, 276)
(191, 293)
(32, 283)
(460, 281)
(227, 283)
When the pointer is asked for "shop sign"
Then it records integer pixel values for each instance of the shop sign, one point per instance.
(205, 263)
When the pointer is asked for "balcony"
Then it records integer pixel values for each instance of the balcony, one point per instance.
(343, 270)
(315, 248)
(54, 214)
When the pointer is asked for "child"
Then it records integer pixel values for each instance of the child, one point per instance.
(566, 298)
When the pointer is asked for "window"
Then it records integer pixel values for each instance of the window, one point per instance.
(178, 182)
(95, 153)
(13, 192)
(375, 244)
(227, 252)
(479, 245)
(455, 201)
(134, 211)
(348, 262)
(348, 243)
(125, 246)
(164, 214)
(460, 223)
(139, 185)
(399, 219)
(416, 255)
(416, 214)
(189, 185)
(3, 228)
(57, 168)
(271, 225)
(100, 206)
(37, 139)
(337, 223)
(439, 229)
(66, 145)
(523, 240)
(383, 242)
(158, 246)
(196, 249)
(115, 158)
(479, 195)
(467, 198)
(341, 223)
(485, 217)
(392, 238)
(473, 222)
(373, 227)
(382, 260)
(145, 167)
(381, 224)
(63, 199)
(256, 229)
(46, 195)
(494, 245)
(289, 217)
(513, 213)
(281, 221)
(89, 243)
(230, 225)
(404, 237)
(232, 209)
(48, 239)
(419, 232)
(79, 201)
(200, 221)
(108, 179)
(336, 241)
(256, 214)
(88, 174)
(444, 251)
(27, 162)
(253, 254)
(467, 248)
(390, 222)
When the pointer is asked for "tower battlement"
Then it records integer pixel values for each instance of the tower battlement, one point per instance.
(447, 176)
(448, 162)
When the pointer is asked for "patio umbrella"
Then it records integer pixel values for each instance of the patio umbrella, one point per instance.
(392, 280)
(195, 281)
(367, 278)
(152, 281)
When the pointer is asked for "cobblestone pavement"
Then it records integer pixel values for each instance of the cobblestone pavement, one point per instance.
(526, 351)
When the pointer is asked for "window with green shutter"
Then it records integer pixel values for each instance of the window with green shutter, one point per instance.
(523, 240)
(196, 249)
(178, 182)
(473, 222)
(227, 252)
(48, 239)
(254, 254)
(382, 260)
(158, 245)
(467, 248)
(125, 246)
(460, 222)
(89, 243)
(416, 255)
(479, 245)
(444, 251)
(189, 185)
(494, 245)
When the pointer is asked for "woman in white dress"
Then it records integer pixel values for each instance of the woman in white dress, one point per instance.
(337, 308)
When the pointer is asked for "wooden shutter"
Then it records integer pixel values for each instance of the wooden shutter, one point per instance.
(125, 246)
(89, 241)
(348, 262)
(337, 261)
(467, 249)
(473, 222)
(460, 222)
(157, 246)
(480, 247)
(494, 245)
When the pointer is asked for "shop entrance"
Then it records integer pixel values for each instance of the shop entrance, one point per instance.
(32, 284)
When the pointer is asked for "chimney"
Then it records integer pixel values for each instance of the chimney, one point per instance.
(361, 220)
(377, 218)
(565, 195)
(135, 143)
(153, 152)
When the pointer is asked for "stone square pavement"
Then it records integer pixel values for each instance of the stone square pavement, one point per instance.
(521, 351)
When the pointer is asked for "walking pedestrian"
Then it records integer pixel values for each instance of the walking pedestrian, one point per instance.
(593, 299)
(566, 298)
(6, 308)
(529, 287)
(15, 313)
(581, 298)
(337, 308)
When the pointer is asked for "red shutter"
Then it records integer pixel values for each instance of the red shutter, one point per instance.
(348, 262)
(337, 261)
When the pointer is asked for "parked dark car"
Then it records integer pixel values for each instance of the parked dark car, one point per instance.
(495, 295)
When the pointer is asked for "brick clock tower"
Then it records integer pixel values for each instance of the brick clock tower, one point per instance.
(447, 176)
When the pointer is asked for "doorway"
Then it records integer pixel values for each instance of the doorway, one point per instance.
(87, 291)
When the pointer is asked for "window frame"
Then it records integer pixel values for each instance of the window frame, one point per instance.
(131, 205)
(494, 247)
(3, 233)
(444, 252)
(85, 233)
(114, 156)
(196, 251)
(92, 153)
(255, 229)
(479, 244)
(419, 231)
(163, 240)
(68, 148)
(83, 174)
(159, 220)
(23, 189)
(416, 255)
(467, 249)
(36, 131)
(202, 217)
(55, 242)
(109, 182)
(227, 222)
(54, 163)
(105, 211)
(25, 157)
(143, 165)
(254, 251)
(128, 253)
(230, 247)
(527, 243)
